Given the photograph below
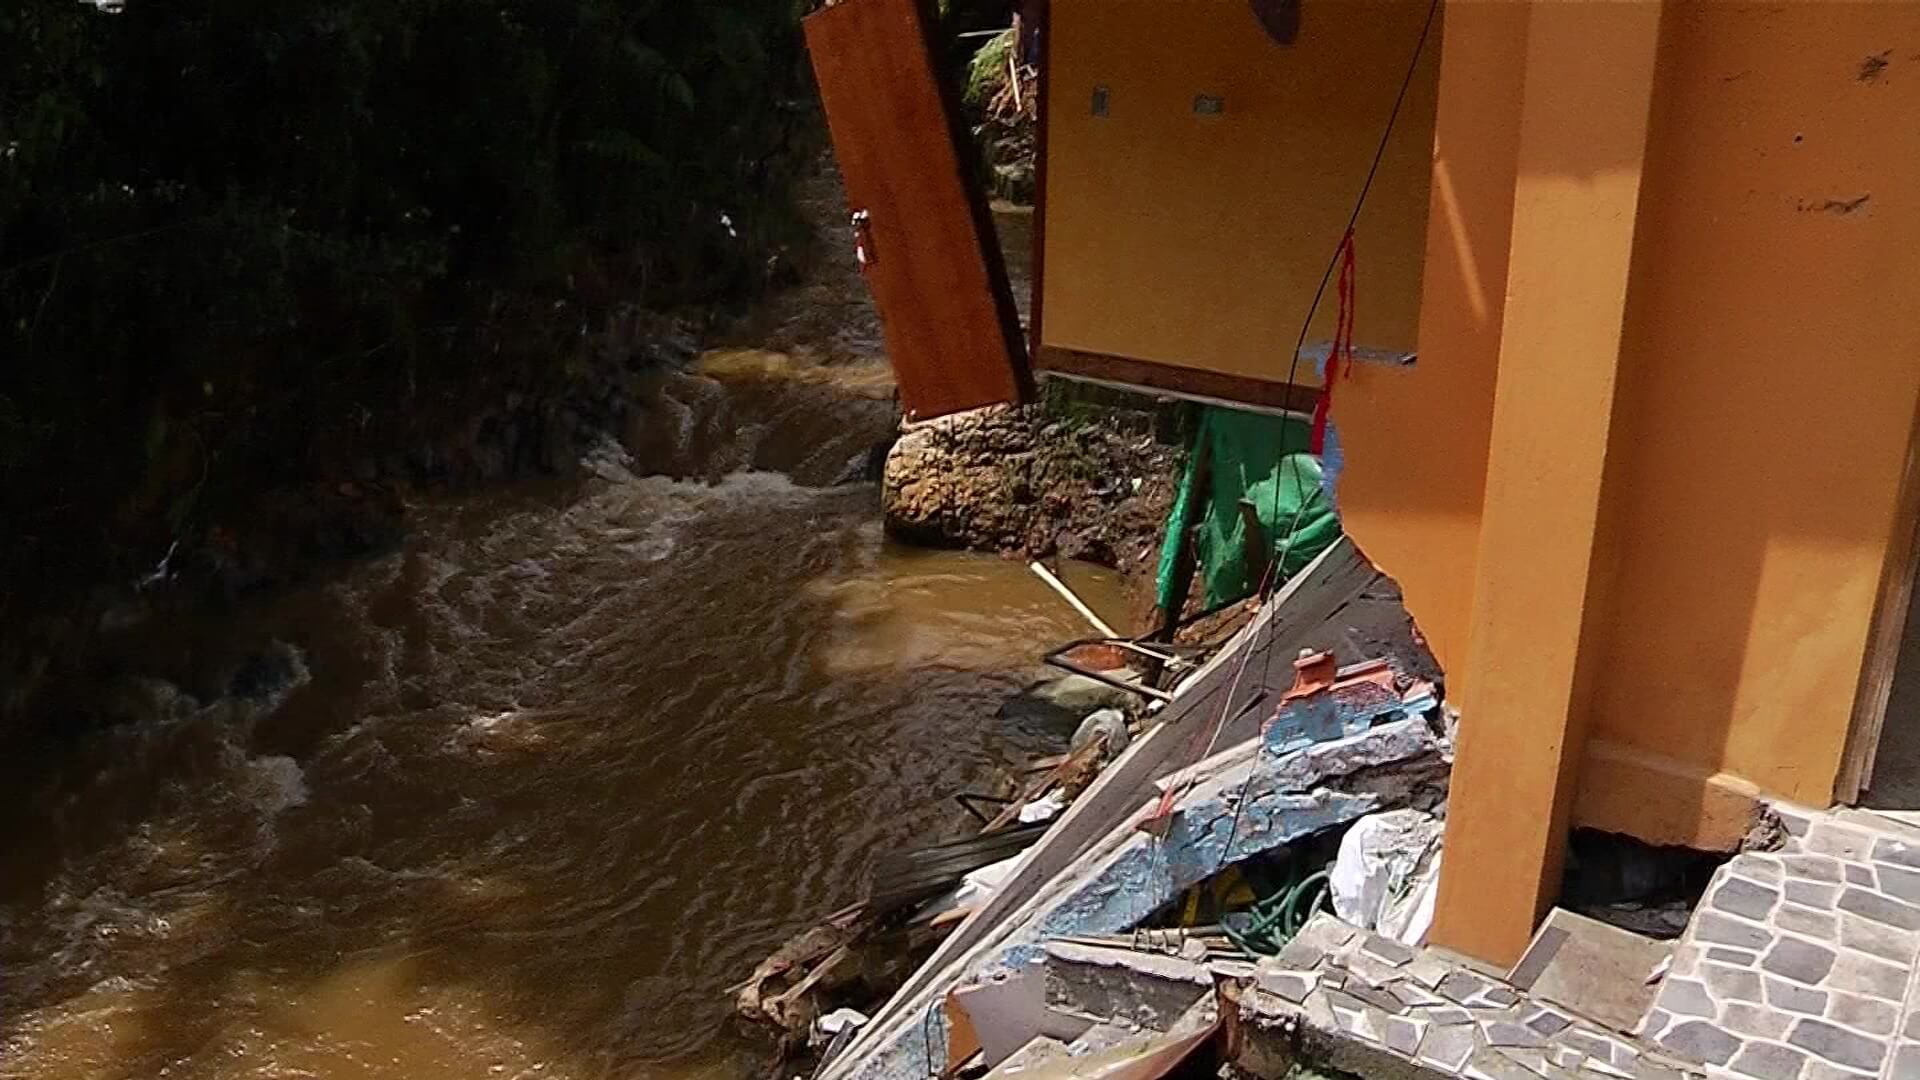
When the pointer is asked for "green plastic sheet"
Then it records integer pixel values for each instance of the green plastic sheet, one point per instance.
(1260, 461)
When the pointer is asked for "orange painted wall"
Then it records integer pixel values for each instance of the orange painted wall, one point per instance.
(1769, 372)
(1770, 363)
(1416, 438)
(1198, 241)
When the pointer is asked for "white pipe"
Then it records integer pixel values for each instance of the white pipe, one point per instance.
(1080, 606)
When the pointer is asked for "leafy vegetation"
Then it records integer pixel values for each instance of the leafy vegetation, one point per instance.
(227, 225)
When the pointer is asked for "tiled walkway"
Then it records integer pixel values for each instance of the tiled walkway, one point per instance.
(1800, 964)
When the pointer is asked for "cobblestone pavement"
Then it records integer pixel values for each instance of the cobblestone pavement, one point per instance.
(1374, 1007)
(1799, 964)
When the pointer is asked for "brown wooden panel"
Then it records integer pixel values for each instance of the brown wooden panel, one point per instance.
(952, 331)
(1192, 382)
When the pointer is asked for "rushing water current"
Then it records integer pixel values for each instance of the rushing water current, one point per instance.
(525, 797)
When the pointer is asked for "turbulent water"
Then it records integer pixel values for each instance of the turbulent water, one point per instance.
(524, 798)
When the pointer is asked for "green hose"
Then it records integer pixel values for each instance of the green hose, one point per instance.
(1280, 916)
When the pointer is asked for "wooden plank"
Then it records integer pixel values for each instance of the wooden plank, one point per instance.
(1889, 628)
(1208, 386)
(935, 270)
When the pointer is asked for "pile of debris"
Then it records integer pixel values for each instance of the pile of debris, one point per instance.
(1196, 798)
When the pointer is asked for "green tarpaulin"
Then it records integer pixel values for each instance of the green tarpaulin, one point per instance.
(1245, 461)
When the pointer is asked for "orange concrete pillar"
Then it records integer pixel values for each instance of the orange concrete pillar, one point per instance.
(1583, 130)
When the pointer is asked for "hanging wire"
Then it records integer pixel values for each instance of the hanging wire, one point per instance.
(1269, 583)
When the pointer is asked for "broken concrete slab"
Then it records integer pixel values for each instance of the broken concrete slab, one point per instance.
(1145, 989)
(1591, 967)
(1258, 805)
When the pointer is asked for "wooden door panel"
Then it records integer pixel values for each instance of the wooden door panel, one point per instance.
(952, 332)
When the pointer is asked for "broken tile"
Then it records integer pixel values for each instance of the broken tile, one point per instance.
(1801, 961)
(1500, 995)
(1427, 970)
(1508, 1033)
(1294, 986)
(1654, 1023)
(1700, 1041)
(1736, 957)
(1549, 1022)
(1588, 1043)
(1447, 1046)
(1375, 997)
(1411, 994)
(1387, 950)
(1836, 1044)
(1460, 987)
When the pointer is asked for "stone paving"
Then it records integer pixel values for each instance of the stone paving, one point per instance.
(1799, 963)
(1374, 1007)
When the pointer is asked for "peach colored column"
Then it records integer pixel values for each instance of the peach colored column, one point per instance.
(1583, 131)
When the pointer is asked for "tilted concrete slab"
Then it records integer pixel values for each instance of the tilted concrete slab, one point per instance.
(1251, 806)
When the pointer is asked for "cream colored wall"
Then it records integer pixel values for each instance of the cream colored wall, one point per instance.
(1198, 241)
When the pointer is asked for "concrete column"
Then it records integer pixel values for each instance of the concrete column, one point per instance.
(1582, 138)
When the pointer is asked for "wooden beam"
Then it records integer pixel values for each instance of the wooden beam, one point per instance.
(1888, 633)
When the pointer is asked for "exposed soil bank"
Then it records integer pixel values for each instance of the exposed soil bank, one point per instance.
(1075, 481)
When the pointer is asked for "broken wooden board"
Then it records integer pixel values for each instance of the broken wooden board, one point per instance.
(920, 221)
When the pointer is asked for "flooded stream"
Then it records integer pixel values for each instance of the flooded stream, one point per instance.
(525, 797)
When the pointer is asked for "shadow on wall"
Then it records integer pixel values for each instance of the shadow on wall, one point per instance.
(1766, 387)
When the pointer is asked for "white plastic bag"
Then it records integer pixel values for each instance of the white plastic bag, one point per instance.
(1387, 874)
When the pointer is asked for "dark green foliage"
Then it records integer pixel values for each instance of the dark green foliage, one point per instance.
(220, 219)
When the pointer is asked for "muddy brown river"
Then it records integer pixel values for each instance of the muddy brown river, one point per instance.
(522, 799)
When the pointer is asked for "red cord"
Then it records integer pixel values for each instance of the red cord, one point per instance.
(1340, 351)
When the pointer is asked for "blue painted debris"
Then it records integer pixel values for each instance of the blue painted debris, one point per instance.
(1250, 801)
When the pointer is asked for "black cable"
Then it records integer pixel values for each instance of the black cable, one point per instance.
(1293, 367)
(1306, 324)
